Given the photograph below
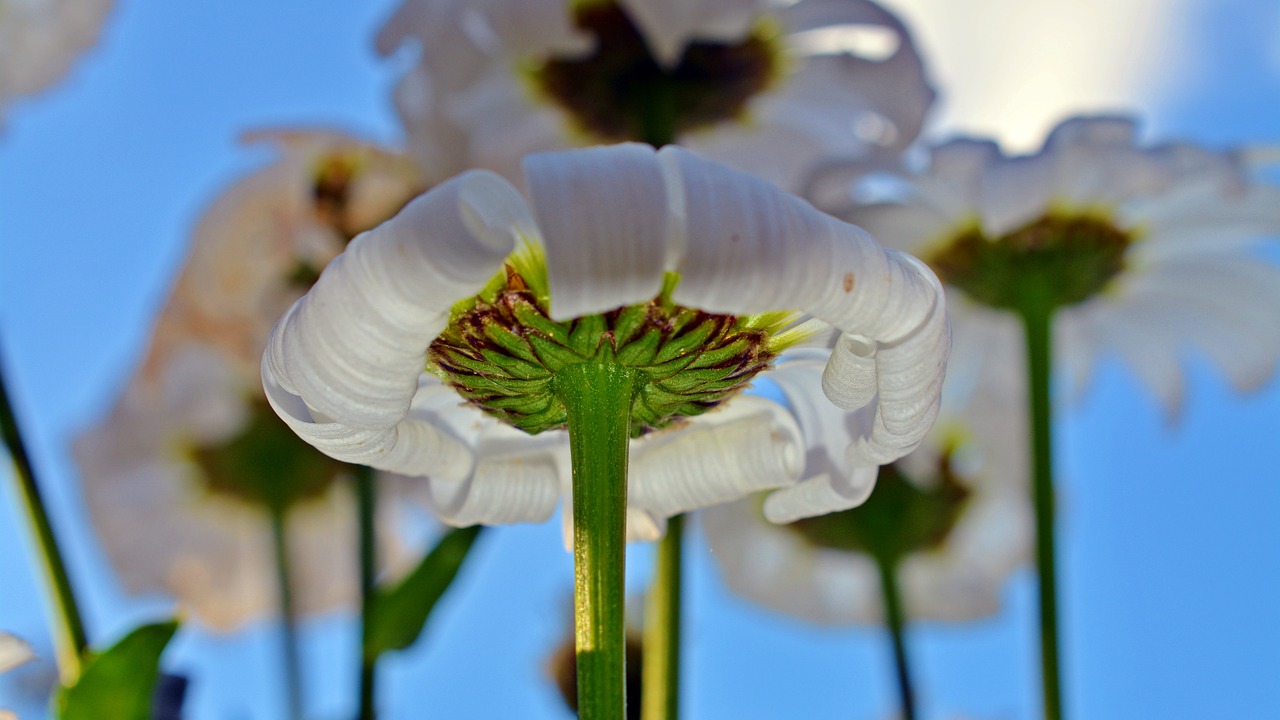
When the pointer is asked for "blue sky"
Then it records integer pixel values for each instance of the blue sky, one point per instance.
(1171, 551)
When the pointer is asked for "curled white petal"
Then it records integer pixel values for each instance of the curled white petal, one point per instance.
(352, 348)
(603, 215)
(747, 445)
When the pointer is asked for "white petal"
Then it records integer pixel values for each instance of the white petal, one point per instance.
(14, 651)
(849, 379)
(759, 249)
(746, 445)
(352, 349)
(604, 218)
(669, 25)
(525, 28)
(881, 88)
(500, 491)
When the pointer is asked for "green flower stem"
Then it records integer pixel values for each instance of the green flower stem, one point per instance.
(597, 397)
(366, 503)
(69, 634)
(660, 699)
(896, 620)
(1036, 311)
(288, 616)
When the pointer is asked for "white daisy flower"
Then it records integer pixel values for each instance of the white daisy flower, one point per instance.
(263, 241)
(952, 518)
(1145, 251)
(40, 39)
(766, 87)
(431, 346)
(180, 477)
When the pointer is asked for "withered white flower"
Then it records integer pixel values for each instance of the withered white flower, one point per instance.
(180, 477)
(431, 346)
(40, 39)
(952, 519)
(766, 87)
(1146, 251)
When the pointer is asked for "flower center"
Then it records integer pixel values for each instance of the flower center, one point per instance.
(1068, 258)
(621, 92)
(502, 352)
(266, 464)
(898, 519)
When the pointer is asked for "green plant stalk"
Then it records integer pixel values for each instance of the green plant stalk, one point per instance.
(366, 504)
(1036, 312)
(896, 621)
(598, 399)
(288, 616)
(660, 699)
(70, 638)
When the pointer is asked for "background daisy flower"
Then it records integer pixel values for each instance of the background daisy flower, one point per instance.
(765, 87)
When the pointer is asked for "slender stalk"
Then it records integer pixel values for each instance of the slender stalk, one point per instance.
(896, 620)
(1037, 321)
(69, 634)
(367, 501)
(660, 699)
(598, 399)
(288, 616)
(660, 695)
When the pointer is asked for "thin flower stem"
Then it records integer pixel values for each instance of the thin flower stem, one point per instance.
(896, 620)
(366, 502)
(1037, 321)
(288, 616)
(660, 690)
(660, 697)
(598, 399)
(69, 634)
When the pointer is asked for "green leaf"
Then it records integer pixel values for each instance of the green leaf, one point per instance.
(399, 613)
(119, 683)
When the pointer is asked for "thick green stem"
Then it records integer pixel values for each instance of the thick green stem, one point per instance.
(69, 634)
(288, 616)
(896, 620)
(660, 699)
(1037, 321)
(366, 503)
(598, 399)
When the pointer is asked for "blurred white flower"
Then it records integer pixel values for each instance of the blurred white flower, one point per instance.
(180, 477)
(182, 473)
(40, 39)
(684, 270)
(263, 241)
(766, 87)
(1147, 251)
(952, 517)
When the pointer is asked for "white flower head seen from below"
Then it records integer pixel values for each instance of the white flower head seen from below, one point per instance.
(951, 519)
(265, 238)
(765, 87)
(431, 347)
(1143, 251)
(180, 479)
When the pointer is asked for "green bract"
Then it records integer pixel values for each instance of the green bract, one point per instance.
(265, 463)
(898, 519)
(502, 352)
(1070, 256)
